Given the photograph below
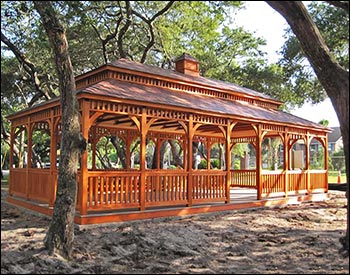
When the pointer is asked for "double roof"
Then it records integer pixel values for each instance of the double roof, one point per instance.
(190, 101)
(100, 83)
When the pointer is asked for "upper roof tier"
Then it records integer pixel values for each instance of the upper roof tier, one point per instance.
(187, 80)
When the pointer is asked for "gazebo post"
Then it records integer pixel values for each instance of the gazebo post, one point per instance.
(286, 160)
(143, 132)
(83, 194)
(29, 155)
(190, 160)
(307, 163)
(326, 161)
(228, 160)
(12, 144)
(259, 139)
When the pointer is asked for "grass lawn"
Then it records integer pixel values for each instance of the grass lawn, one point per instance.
(333, 177)
(4, 184)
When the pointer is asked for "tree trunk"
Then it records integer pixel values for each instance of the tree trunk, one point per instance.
(60, 235)
(334, 78)
(176, 154)
(120, 151)
(162, 153)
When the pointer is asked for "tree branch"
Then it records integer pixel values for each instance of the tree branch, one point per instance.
(163, 10)
(29, 68)
(123, 30)
(311, 41)
(149, 22)
(340, 4)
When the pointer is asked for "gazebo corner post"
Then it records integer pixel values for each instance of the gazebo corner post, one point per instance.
(286, 161)
(307, 163)
(29, 157)
(84, 177)
(228, 160)
(143, 132)
(326, 163)
(12, 144)
(259, 139)
(190, 161)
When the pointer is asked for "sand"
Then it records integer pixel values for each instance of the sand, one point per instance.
(292, 239)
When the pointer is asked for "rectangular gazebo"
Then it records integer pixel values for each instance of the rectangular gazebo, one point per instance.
(162, 127)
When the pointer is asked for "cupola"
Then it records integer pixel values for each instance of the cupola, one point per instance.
(187, 64)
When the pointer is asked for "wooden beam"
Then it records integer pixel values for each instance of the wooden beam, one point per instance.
(307, 164)
(259, 139)
(286, 160)
(112, 117)
(29, 155)
(143, 144)
(228, 159)
(83, 194)
(191, 131)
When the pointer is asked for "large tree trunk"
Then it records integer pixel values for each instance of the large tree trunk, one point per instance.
(120, 151)
(60, 235)
(176, 154)
(332, 76)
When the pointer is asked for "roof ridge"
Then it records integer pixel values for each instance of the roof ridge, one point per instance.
(206, 81)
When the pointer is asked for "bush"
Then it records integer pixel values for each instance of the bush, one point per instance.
(215, 163)
(202, 164)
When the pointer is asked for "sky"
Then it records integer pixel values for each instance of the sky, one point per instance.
(260, 18)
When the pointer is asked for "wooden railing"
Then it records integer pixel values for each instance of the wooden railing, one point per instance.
(318, 179)
(18, 182)
(272, 182)
(113, 189)
(40, 185)
(243, 178)
(121, 189)
(209, 185)
(166, 187)
(297, 181)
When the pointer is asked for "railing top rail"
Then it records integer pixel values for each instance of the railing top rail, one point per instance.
(166, 172)
(209, 172)
(243, 171)
(111, 173)
(318, 171)
(276, 172)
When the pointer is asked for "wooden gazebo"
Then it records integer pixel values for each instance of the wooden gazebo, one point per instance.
(140, 104)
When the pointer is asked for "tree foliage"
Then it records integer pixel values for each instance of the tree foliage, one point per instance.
(333, 24)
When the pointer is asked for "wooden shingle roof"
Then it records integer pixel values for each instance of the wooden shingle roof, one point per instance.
(209, 82)
(169, 98)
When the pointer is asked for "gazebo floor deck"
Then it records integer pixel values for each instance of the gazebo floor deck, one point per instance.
(240, 198)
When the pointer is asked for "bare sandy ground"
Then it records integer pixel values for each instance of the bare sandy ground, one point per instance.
(292, 239)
